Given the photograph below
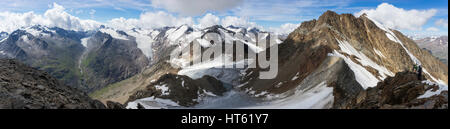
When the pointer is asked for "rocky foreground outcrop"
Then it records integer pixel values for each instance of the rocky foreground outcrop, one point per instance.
(181, 89)
(400, 92)
(23, 87)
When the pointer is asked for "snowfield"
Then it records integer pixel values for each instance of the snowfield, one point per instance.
(318, 97)
(84, 41)
(143, 40)
(113, 33)
(152, 103)
(363, 77)
(176, 33)
(430, 93)
(222, 70)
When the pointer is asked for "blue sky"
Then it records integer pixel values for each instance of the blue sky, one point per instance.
(265, 13)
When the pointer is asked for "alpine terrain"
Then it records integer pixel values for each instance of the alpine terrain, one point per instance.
(337, 61)
(332, 62)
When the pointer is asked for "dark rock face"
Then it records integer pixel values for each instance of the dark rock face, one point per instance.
(110, 60)
(399, 92)
(345, 88)
(435, 102)
(114, 105)
(23, 87)
(181, 89)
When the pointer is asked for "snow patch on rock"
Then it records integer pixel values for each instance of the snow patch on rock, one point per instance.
(114, 34)
(362, 76)
(163, 88)
(295, 77)
(363, 59)
(430, 92)
(379, 53)
(217, 68)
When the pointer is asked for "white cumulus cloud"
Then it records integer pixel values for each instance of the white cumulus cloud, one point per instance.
(54, 17)
(150, 20)
(442, 22)
(195, 7)
(432, 29)
(285, 28)
(92, 13)
(208, 20)
(238, 22)
(398, 18)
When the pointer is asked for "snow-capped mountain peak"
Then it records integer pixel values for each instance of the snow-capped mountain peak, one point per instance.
(38, 31)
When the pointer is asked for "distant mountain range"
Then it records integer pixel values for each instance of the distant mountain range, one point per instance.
(437, 45)
(91, 60)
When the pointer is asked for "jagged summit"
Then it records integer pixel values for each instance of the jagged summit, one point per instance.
(320, 52)
(372, 39)
(328, 16)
